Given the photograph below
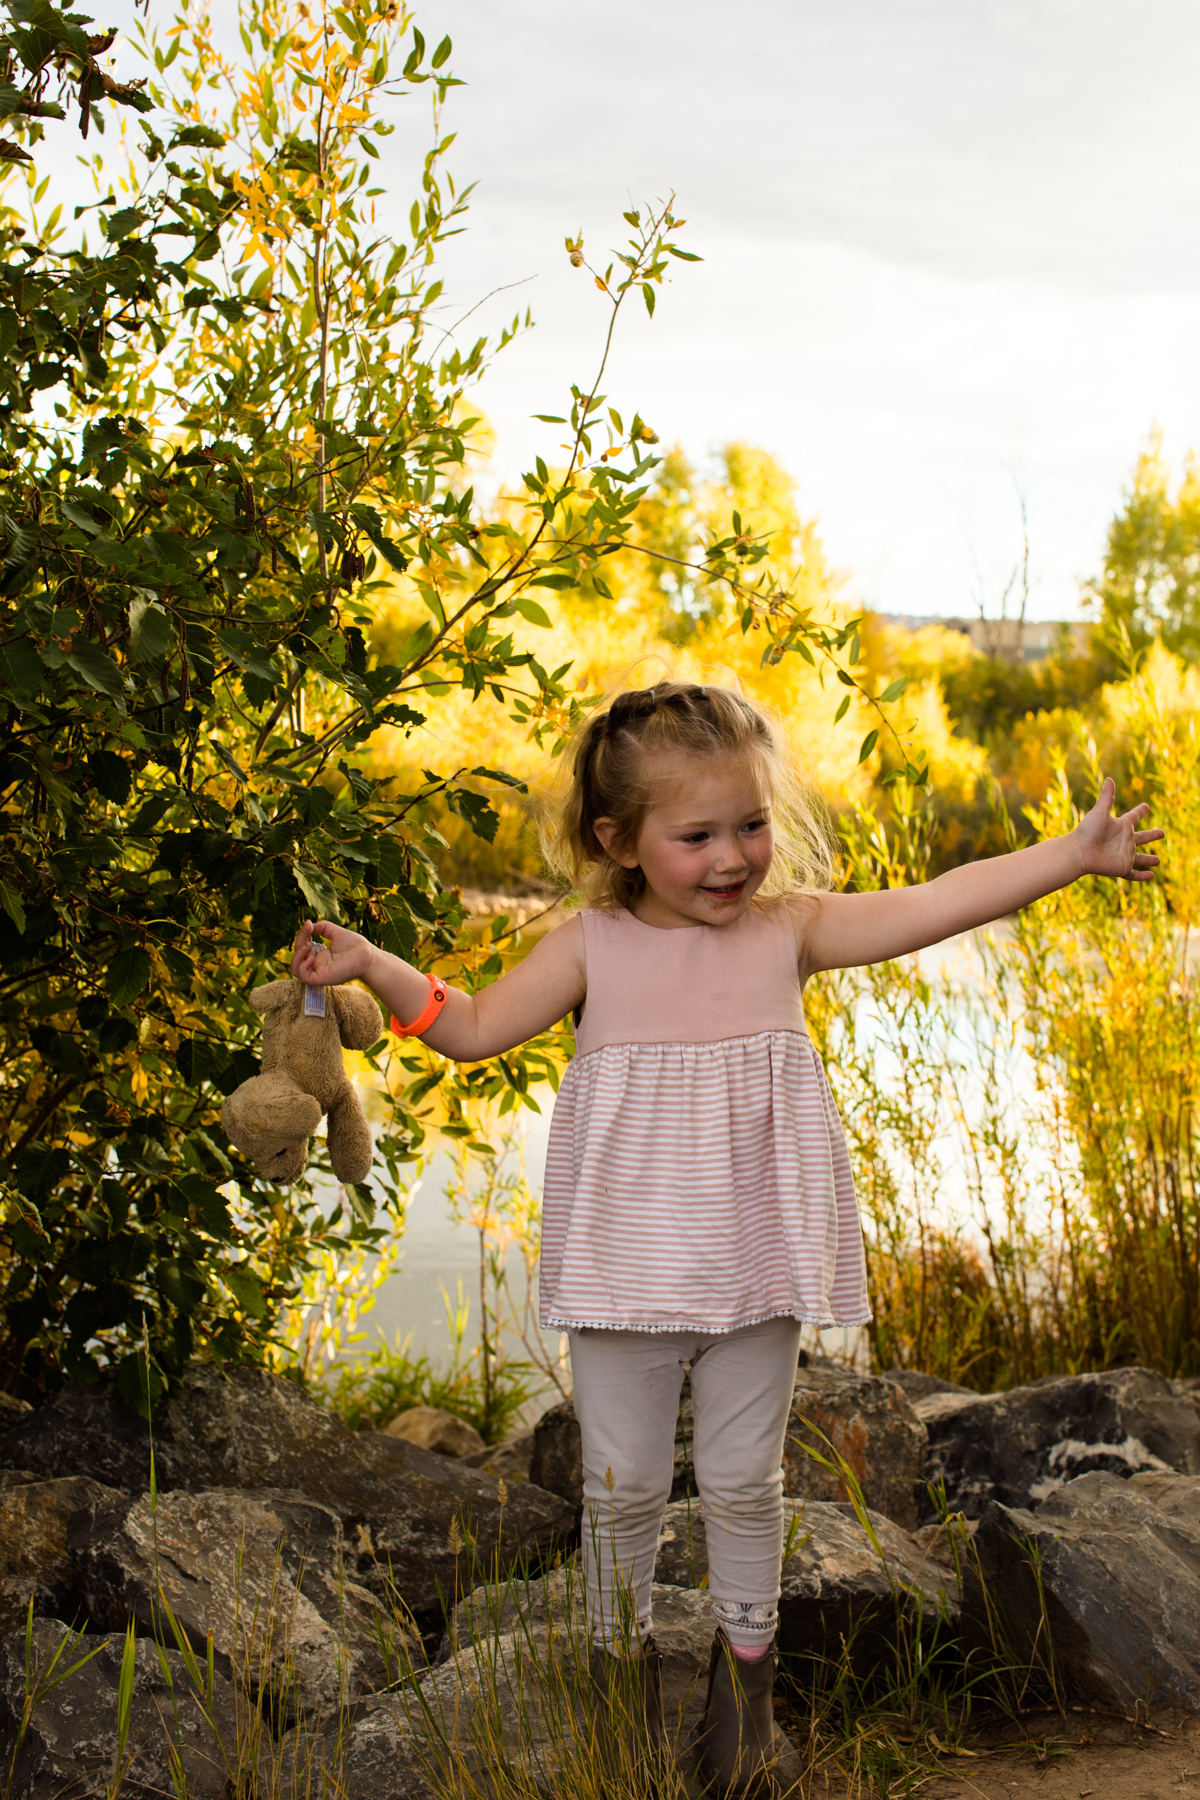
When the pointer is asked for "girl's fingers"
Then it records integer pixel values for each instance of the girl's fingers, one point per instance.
(1148, 837)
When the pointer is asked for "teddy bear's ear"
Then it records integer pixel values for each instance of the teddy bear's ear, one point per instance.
(274, 993)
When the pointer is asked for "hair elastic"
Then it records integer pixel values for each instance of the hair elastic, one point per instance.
(424, 1019)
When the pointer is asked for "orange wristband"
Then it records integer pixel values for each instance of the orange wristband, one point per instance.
(423, 1020)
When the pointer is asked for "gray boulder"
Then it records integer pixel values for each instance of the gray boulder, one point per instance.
(71, 1745)
(918, 1386)
(244, 1428)
(375, 1756)
(1118, 1562)
(263, 1573)
(1022, 1446)
(556, 1463)
(34, 1520)
(433, 1428)
(837, 1583)
(869, 1422)
(511, 1461)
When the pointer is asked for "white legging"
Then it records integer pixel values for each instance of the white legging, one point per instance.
(627, 1386)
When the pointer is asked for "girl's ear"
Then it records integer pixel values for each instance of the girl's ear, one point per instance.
(607, 832)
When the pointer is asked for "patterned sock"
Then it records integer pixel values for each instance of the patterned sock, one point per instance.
(750, 1628)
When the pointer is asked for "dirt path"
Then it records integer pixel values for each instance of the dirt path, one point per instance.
(1088, 1758)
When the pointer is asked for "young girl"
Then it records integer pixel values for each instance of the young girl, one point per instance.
(698, 1199)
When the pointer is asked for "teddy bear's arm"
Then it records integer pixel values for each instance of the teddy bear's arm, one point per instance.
(272, 994)
(359, 1019)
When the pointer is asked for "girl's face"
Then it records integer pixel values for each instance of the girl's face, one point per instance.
(704, 847)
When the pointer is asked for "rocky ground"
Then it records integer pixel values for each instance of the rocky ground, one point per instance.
(303, 1568)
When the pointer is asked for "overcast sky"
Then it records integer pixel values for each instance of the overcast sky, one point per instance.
(951, 252)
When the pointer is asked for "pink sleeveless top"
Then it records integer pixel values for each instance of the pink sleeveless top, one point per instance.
(697, 1176)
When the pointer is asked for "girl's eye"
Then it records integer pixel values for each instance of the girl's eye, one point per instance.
(696, 837)
(755, 825)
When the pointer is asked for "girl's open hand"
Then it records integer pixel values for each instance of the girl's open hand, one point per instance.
(1113, 846)
(347, 958)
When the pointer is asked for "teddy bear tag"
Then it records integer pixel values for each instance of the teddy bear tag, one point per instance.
(314, 1002)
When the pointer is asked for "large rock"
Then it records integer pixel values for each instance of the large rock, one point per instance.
(554, 1607)
(263, 1573)
(838, 1583)
(512, 1460)
(1020, 1447)
(1118, 1564)
(874, 1430)
(918, 1386)
(247, 1429)
(71, 1745)
(374, 1755)
(433, 1428)
(34, 1519)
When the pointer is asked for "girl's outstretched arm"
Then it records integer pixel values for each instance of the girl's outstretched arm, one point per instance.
(542, 989)
(847, 930)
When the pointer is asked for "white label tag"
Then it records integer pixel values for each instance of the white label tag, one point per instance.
(314, 1002)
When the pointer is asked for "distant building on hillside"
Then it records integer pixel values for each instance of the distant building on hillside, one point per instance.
(1010, 640)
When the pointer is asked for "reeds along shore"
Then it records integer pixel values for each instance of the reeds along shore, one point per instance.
(1023, 1124)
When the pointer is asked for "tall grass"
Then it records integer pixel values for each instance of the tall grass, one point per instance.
(1024, 1137)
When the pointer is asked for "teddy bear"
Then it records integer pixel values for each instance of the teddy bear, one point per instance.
(272, 1116)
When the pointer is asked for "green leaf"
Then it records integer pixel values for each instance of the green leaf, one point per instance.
(362, 1200)
(123, 223)
(151, 632)
(21, 667)
(40, 1168)
(842, 710)
(127, 975)
(479, 814)
(81, 516)
(98, 670)
(245, 1290)
(318, 890)
(894, 690)
(111, 775)
(391, 553)
(529, 609)
(10, 331)
(512, 781)
(10, 900)
(867, 745)
(441, 54)
(199, 137)
(648, 297)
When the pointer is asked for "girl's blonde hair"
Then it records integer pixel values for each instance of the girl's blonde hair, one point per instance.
(612, 776)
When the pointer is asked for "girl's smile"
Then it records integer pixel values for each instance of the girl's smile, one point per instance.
(704, 849)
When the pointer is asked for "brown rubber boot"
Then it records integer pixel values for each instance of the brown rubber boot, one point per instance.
(738, 1732)
(627, 1695)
